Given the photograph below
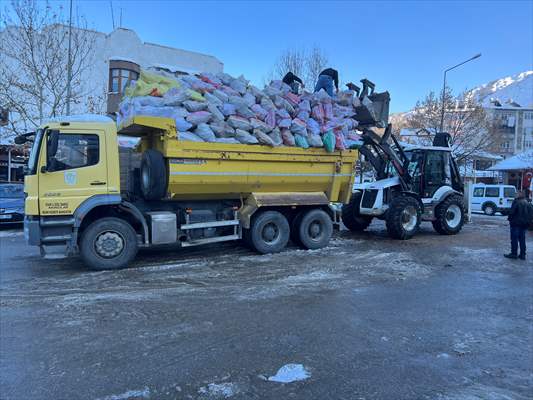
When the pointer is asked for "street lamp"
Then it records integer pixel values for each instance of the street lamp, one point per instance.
(444, 87)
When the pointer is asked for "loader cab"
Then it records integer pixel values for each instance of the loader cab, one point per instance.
(431, 168)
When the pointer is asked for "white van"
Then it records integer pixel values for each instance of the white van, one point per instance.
(492, 198)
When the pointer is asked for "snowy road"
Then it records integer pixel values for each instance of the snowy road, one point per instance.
(366, 318)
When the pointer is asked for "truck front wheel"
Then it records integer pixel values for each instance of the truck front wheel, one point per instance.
(108, 243)
(314, 229)
(269, 232)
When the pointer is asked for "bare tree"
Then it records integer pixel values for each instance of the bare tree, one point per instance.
(305, 64)
(315, 62)
(33, 66)
(464, 119)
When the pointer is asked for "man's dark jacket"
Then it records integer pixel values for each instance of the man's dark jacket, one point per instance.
(521, 213)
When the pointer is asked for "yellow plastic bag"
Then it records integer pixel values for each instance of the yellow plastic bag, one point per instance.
(150, 84)
(194, 95)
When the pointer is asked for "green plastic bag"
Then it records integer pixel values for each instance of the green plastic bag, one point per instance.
(329, 141)
(301, 141)
(194, 95)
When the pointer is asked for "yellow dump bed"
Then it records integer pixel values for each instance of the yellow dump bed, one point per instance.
(201, 170)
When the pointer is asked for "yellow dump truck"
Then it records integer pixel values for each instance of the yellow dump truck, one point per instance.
(87, 194)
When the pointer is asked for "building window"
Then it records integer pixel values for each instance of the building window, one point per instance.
(504, 145)
(119, 78)
(528, 115)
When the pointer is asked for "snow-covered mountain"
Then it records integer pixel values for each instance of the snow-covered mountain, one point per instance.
(517, 88)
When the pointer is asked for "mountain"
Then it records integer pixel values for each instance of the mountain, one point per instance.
(517, 88)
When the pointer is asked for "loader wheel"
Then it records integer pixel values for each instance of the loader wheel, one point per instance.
(351, 217)
(154, 177)
(108, 243)
(403, 217)
(269, 232)
(450, 215)
(314, 229)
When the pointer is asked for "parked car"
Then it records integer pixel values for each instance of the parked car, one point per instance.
(491, 199)
(11, 202)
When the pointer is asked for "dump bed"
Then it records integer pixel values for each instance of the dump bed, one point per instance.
(201, 170)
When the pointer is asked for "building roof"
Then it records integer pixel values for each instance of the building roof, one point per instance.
(518, 162)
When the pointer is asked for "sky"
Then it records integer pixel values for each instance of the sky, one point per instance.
(402, 46)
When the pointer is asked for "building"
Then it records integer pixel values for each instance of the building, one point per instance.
(120, 55)
(512, 126)
(13, 158)
(115, 59)
(517, 170)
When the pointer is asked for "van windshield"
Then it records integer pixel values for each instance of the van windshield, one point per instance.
(34, 154)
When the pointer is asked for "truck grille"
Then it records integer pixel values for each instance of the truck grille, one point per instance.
(369, 198)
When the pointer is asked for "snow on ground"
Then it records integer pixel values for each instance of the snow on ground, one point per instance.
(130, 394)
(290, 373)
(11, 234)
(219, 390)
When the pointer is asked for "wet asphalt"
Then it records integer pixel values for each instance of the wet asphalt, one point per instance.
(368, 317)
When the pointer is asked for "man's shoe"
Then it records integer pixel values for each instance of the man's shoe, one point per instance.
(511, 255)
(522, 257)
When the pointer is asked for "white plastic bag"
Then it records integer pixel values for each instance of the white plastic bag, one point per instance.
(182, 125)
(211, 98)
(275, 136)
(193, 106)
(298, 127)
(223, 97)
(258, 124)
(213, 109)
(245, 137)
(199, 117)
(239, 123)
(263, 138)
(204, 131)
(190, 137)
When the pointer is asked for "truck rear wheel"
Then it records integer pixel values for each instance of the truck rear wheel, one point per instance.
(108, 243)
(314, 229)
(351, 217)
(450, 215)
(269, 232)
(403, 217)
(154, 177)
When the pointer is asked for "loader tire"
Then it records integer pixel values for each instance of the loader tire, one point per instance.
(450, 215)
(351, 217)
(403, 217)
(314, 229)
(154, 176)
(108, 243)
(269, 232)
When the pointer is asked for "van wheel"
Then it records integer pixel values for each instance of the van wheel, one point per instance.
(450, 216)
(403, 217)
(489, 209)
(269, 232)
(314, 229)
(351, 217)
(108, 243)
(154, 177)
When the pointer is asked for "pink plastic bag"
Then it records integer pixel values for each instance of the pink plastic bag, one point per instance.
(288, 137)
(318, 113)
(340, 144)
(270, 118)
(328, 110)
(294, 99)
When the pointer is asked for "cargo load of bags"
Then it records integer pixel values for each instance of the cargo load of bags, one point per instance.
(220, 108)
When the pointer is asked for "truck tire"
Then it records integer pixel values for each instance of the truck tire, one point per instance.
(295, 237)
(269, 232)
(450, 215)
(314, 229)
(403, 217)
(108, 243)
(351, 217)
(489, 208)
(154, 177)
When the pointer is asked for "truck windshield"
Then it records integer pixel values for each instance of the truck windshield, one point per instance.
(34, 154)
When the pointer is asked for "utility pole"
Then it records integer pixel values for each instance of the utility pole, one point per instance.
(444, 87)
(69, 63)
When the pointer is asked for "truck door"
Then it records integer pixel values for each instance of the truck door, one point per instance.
(74, 168)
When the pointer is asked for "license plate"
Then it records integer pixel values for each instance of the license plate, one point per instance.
(5, 216)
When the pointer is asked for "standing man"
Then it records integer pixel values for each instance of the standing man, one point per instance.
(520, 217)
(293, 81)
(326, 79)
